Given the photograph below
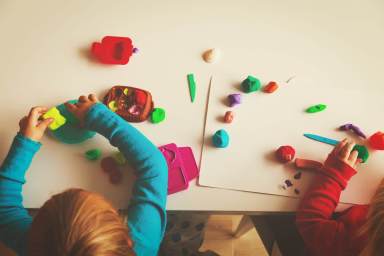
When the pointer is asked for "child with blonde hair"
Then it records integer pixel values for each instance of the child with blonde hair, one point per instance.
(78, 222)
(359, 230)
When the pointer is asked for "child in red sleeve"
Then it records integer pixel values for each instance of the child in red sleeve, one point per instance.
(358, 230)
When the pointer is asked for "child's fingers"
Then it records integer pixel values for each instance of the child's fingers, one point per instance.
(353, 157)
(346, 150)
(37, 111)
(92, 97)
(45, 123)
(71, 107)
(35, 114)
(339, 146)
(82, 99)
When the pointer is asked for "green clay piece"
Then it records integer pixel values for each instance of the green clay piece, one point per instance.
(157, 115)
(93, 154)
(125, 91)
(251, 84)
(120, 158)
(71, 132)
(220, 139)
(316, 108)
(363, 152)
(112, 106)
(58, 119)
(192, 86)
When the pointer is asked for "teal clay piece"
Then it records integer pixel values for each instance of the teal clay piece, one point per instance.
(71, 132)
(220, 139)
(251, 84)
(316, 108)
(93, 154)
(363, 152)
(157, 115)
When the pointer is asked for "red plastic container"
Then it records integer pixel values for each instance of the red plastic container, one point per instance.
(113, 50)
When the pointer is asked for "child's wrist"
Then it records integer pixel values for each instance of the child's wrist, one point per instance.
(338, 170)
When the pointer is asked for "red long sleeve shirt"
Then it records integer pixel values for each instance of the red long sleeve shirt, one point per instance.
(323, 234)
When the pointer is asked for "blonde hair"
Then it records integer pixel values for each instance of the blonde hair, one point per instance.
(78, 223)
(373, 229)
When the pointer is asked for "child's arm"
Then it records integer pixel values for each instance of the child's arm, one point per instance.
(14, 219)
(146, 212)
(321, 234)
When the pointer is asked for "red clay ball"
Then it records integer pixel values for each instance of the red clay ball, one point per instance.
(285, 154)
(377, 141)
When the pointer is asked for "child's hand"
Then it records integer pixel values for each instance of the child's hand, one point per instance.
(343, 151)
(31, 126)
(81, 108)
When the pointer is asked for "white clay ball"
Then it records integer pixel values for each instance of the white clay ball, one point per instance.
(212, 55)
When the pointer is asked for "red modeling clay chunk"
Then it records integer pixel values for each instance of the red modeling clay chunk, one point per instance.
(141, 97)
(113, 50)
(270, 87)
(377, 141)
(108, 164)
(307, 164)
(285, 154)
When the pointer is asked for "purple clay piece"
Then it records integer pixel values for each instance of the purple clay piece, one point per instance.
(234, 99)
(346, 127)
(288, 183)
(135, 50)
(354, 128)
(358, 131)
(297, 192)
(297, 176)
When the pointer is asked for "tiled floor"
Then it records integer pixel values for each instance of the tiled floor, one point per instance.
(219, 238)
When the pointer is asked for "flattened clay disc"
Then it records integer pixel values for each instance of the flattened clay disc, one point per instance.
(71, 132)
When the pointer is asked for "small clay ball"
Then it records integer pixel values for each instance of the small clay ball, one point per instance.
(220, 139)
(363, 152)
(212, 55)
(285, 154)
(157, 115)
(228, 117)
(377, 141)
(234, 99)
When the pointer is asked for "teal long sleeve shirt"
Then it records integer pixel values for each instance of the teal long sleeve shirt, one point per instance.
(146, 210)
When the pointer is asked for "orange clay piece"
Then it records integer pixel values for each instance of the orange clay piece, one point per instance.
(307, 164)
(270, 87)
(228, 117)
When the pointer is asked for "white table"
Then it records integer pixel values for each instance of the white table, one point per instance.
(44, 61)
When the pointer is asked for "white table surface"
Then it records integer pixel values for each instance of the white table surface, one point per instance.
(44, 61)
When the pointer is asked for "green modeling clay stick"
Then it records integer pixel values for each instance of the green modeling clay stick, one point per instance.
(192, 86)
